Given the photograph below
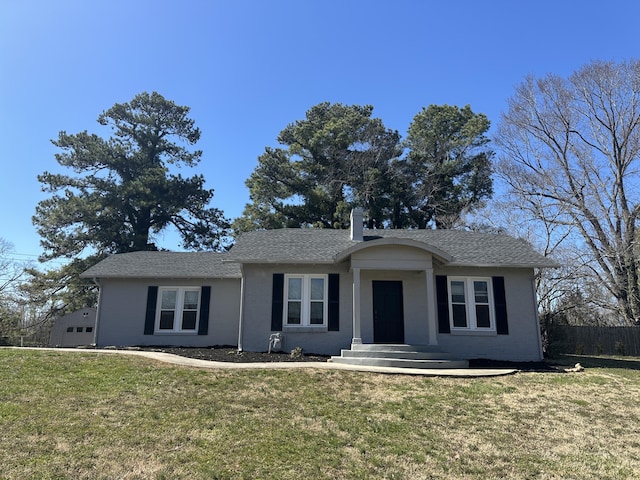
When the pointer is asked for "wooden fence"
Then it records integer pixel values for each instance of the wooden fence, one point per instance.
(586, 340)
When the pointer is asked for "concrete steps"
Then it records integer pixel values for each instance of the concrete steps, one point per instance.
(404, 356)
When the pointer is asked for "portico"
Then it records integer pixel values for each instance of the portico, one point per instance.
(402, 260)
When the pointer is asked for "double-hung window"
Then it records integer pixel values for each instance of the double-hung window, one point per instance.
(305, 300)
(178, 309)
(471, 304)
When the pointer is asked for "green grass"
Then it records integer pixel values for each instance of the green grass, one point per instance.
(105, 416)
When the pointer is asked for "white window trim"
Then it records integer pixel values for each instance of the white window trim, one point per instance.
(306, 302)
(179, 308)
(470, 305)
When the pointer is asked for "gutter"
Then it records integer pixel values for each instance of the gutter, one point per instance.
(551, 264)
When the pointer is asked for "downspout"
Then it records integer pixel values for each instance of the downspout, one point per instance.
(98, 307)
(240, 320)
(536, 314)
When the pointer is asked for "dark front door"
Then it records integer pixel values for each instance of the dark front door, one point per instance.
(388, 312)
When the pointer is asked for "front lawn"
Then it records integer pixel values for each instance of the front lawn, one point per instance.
(105, 416)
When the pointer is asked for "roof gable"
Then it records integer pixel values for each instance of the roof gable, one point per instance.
(394, 241)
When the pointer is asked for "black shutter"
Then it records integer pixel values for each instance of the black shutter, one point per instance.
(442, 299)
(334, 302)
(205, 299)
(500, 304)
(277, 300)
(150, 317)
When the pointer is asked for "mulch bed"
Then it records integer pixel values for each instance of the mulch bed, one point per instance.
(231, 354)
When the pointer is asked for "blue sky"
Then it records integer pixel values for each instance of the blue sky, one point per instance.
(247, 68)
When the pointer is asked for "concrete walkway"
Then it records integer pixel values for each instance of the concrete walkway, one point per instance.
(194, 362)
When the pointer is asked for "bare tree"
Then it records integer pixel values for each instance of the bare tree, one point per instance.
(10, 273)
(10, 270)
(569, 152)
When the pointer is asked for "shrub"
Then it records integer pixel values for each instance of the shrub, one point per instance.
(620, 348)
(296, 353)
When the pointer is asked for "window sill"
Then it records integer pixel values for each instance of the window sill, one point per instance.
(475, 333)
(304, 329)
(164, 332)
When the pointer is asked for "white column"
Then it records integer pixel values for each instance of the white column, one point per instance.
(431, 307)
(357, 336)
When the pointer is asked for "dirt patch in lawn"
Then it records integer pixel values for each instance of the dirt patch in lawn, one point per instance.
(544, 366)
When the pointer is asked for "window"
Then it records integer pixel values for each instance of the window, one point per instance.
(305, 300)
(178, 309)
(79, 329)
(471, 304)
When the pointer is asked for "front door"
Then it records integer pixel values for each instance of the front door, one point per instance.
(388, 312)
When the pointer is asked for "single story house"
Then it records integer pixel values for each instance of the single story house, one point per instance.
(74, 329)
(466, 293)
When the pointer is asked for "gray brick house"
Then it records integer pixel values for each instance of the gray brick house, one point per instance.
(466, 293)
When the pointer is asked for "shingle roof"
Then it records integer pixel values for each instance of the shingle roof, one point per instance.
(290, 245)
(293, 245)
(164, 265)
(325, 246)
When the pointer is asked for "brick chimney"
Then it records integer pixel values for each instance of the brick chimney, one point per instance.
(356, 224)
